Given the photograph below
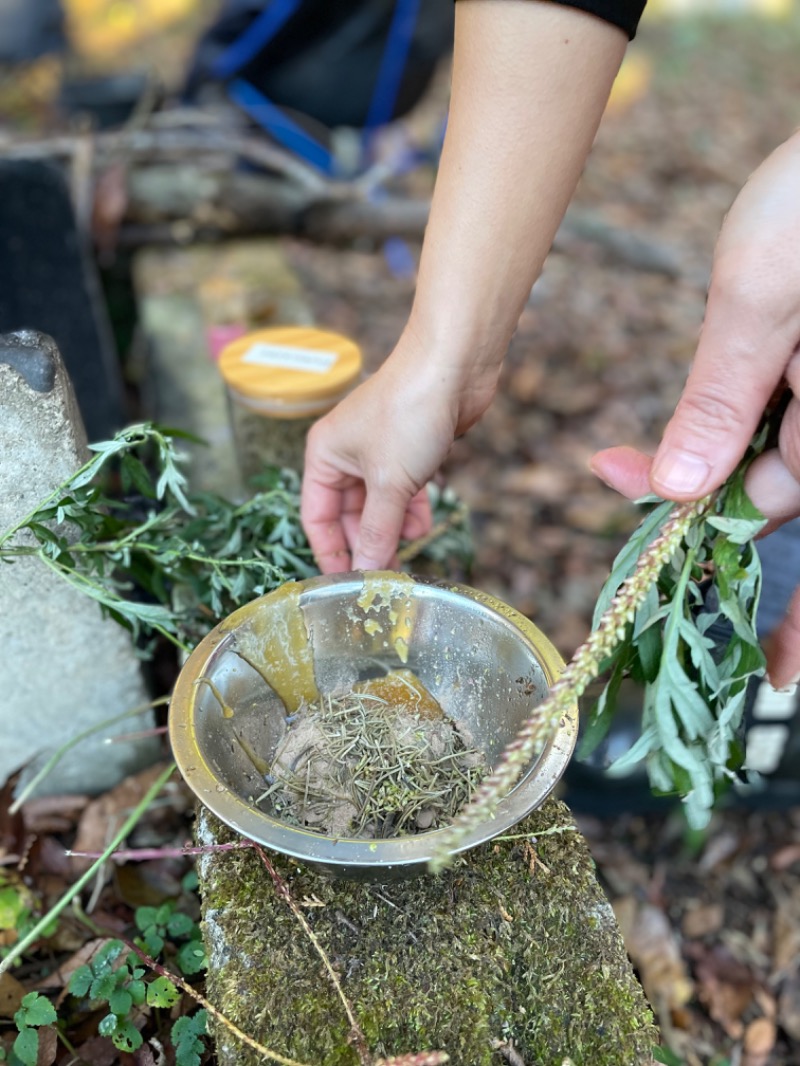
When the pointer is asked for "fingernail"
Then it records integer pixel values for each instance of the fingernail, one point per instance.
(680, 472)
(360, 562)
(786, 686)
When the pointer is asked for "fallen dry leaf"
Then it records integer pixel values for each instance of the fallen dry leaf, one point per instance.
(11, 993)
(789, 1007)
(59, 977)
(702, 920)
(98, 1051)
(103, 816)
(654, 949)
(48, 1046)
(786, 931)
(785, 857)
(759, 1040)
(724, 984)
(53, 814)
(12, 826)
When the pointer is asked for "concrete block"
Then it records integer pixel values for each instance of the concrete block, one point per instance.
(48, 282)
(515, 947)
(64, 667)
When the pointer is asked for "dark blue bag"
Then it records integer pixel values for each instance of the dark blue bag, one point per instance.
(361, 63)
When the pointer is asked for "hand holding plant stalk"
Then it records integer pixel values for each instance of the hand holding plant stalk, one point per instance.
(648, 625)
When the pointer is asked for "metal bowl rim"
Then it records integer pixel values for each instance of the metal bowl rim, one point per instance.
(348, 852)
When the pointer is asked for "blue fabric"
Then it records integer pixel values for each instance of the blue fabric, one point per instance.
(393, 63)
(278, 124)
(259, 33)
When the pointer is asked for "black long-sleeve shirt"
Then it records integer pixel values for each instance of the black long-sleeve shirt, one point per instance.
(622, 13)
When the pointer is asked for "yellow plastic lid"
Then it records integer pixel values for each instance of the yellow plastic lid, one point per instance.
(290, 371)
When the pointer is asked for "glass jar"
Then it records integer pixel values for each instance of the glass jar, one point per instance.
(279, 382)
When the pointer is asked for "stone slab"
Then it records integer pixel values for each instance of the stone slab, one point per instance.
(516, 945)
(48, 282)
(64, 667)
(190, 300)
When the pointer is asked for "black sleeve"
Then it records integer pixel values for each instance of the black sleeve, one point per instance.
(622, 13)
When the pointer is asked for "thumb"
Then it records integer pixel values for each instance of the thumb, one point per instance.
(740, 359)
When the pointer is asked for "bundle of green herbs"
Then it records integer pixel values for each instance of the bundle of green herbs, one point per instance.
(125, 530)
(685, 569)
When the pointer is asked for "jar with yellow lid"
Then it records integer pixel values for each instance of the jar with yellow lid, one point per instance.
(279, 382)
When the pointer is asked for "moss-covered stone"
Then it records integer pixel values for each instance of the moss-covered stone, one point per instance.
(516, 944)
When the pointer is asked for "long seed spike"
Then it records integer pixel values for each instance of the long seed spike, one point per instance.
(578, 674)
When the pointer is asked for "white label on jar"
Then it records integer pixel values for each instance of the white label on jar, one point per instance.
(279, 355)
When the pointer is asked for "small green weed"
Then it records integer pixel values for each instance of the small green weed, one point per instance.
(159, 924)
(35, 1011)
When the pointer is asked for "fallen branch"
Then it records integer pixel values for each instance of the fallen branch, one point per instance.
(183, 184)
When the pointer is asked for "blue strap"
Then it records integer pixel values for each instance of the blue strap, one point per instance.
(393, 63)
(272, 119)
(278, 124)
(259, 33)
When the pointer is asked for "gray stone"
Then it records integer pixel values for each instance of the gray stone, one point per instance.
(64, 668)
(49, 282)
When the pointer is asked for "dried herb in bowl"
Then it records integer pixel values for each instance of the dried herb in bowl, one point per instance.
(381, 760)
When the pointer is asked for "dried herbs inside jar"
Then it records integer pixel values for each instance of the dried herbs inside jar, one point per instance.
(380, 760)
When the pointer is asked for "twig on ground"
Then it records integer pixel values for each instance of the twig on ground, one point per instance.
(357, 1034)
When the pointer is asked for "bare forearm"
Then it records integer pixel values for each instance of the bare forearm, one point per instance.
(530, 83)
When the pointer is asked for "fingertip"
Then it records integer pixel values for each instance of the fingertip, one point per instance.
(336, 562)
(783, 647)
(772, 487)
(623, 469)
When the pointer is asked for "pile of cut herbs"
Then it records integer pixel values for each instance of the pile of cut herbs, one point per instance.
(381, 760)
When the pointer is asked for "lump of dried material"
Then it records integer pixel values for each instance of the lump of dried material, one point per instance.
(379, 761)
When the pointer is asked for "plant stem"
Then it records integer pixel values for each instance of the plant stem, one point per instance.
(104, 596)
(148, 854)
(59, 753)
(282, 889)
(22, 945)
(578, 674)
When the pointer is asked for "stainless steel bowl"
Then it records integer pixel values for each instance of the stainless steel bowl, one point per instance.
(483, 661)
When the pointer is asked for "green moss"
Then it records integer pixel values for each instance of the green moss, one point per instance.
(488, 951)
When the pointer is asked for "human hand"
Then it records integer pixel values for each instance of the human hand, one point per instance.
(749, 341)
(368, 460)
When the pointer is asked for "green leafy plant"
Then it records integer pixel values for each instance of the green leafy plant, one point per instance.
(649, 625)
(187, 1034)
(694, 688)
(17, 910)
(35, 1011)
(120, 985)
(123, 986)
(157, 558)
(125, 530)
(157, 924)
